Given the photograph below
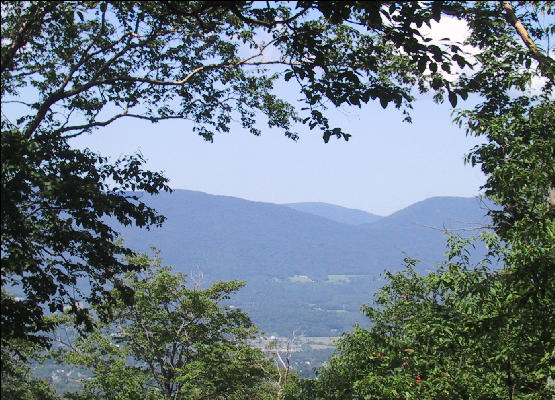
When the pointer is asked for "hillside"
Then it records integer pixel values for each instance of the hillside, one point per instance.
(343, 215)
(302, 270)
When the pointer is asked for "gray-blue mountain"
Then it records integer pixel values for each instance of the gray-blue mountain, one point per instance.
(302, 270)
(336, 213)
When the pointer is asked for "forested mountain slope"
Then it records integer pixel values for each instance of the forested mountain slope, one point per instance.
(335, 213)
(297, 266)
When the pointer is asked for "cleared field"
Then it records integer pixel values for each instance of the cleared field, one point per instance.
(319, 342)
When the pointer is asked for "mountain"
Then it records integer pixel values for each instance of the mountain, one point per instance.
(438, 212)
(302, 270)
(336, 213)
(419, 229)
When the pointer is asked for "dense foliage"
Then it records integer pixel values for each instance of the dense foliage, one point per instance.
(487, 330)
(454, 333)
(472, 331)
(18, 382)
(173, 341)
(54, 232)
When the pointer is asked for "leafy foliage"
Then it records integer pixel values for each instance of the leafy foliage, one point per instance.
(171, 342)
(73, 67)
(17, 380)
(54, 235)
(473, 331)
(451, 334)
(206, 62)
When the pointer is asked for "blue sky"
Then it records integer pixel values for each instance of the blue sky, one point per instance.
(386, 165)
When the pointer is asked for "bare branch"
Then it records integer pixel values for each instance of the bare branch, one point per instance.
(18, 102)
(275, 62)
(479, 227)
(86, 127)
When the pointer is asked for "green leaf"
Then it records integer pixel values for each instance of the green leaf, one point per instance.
(528, 63)
(422, 64)
(453, 99)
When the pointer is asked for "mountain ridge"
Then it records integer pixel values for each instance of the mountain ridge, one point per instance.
(350, 216)
(270, 246)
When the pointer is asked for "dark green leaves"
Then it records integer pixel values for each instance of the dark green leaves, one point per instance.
(80, 66)
(460, 60)
(288, 75)
(453, 99)
(18, 380)
(452, 333)
(55, 202)
(422, 62)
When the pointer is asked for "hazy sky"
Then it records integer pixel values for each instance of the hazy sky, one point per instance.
(385, 166)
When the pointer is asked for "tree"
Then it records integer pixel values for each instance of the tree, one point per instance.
(77, 66)
(451, 334)
(159, 60)
(69, 68)
(171, 342)
(471, 331)
(465, 332)
(55, 236)
(18, 382)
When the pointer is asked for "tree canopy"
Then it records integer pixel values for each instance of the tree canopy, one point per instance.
(69, 68)
(463, 331)
(175, 341)
(95, 62)
(473, 331)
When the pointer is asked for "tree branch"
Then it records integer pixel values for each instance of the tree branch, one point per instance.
(546, 64)
(20, 39)
(197, 70)
(60, 94)
(85, 127)
(233, 8)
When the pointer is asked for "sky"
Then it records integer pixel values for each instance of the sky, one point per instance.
(385, 166)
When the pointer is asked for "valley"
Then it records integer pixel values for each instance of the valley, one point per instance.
(303, 272)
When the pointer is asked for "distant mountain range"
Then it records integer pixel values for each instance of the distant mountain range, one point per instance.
(307, 265)
(340, 214)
